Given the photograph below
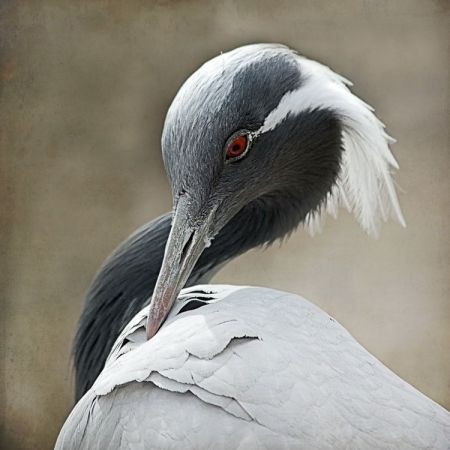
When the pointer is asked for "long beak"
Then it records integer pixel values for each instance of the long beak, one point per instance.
(183, 248)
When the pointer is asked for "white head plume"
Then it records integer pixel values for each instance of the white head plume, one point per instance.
(365, 185)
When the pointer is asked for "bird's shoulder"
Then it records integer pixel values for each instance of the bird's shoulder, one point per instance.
(272, 363)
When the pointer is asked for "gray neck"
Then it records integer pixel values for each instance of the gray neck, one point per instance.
(125, 283)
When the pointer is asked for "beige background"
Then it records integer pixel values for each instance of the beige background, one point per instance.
(85, 86)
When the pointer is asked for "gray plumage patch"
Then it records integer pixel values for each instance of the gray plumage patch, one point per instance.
(210, 107)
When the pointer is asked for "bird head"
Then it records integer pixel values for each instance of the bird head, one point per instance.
(262, 122)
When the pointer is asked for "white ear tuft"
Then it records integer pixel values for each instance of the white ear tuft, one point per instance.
(365, 185)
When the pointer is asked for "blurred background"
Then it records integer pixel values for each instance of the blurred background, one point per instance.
(84, 90)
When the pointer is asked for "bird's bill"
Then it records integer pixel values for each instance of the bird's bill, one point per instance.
(184, 246)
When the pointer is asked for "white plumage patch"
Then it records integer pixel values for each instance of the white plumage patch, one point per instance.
(365, 186)
(253, 369)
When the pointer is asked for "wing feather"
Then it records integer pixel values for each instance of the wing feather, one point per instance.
(258, 368)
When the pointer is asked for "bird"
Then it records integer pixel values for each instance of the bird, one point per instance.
(256, 142)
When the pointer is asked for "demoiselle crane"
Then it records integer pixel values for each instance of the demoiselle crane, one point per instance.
(257, 141)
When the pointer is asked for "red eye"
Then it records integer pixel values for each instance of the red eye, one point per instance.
(237, 147)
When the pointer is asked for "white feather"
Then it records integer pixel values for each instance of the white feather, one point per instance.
(365, 186)
(255, 369)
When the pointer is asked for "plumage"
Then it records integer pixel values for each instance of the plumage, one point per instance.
(318, 148)
(252, 368)
(239, 367)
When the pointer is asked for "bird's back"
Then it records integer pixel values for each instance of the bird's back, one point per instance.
(239, 367)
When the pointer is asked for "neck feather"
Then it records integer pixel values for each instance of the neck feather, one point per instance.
(125, 283)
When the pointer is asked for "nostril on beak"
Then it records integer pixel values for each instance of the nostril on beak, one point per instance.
(187, 246)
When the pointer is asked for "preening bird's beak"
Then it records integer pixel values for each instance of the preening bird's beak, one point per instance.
(183, 248)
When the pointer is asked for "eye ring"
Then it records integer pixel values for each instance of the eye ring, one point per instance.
(238, 145)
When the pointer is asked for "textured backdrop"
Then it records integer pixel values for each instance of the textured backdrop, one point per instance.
(85, 86)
